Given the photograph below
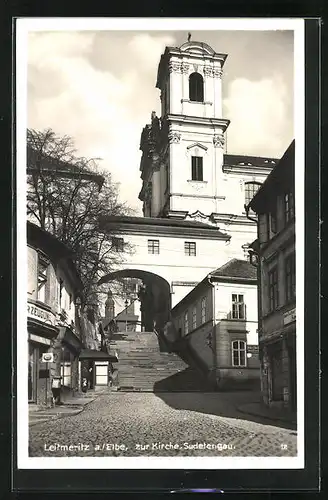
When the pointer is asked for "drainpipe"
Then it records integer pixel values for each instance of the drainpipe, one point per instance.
(213, 328)
(257, 252)
(259, 272)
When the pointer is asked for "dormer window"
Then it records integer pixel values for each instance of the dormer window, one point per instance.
(196, 87)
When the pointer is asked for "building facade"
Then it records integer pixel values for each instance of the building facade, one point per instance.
(217, 324)
(52, 317)
(193, 192)
(275, 250)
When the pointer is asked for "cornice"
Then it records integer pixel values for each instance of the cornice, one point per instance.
(199, 120)
(212, 233)
(246, 170)
(232, 219)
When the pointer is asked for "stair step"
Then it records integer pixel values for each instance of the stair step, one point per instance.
(141, 365)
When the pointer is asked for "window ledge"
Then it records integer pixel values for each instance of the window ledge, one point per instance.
(197, 182)
(197, 102)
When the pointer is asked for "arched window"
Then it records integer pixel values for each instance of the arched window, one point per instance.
(251, 188)
(196, 87)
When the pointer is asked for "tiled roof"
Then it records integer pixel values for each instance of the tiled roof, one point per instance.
(280, 178)
(236, 268)
(157, 221)
(243, 160)
(164, 226)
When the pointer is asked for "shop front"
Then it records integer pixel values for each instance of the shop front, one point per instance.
(96, 368)
(41, 334)
(68, 349)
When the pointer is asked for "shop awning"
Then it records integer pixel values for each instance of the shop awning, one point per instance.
(97, 355)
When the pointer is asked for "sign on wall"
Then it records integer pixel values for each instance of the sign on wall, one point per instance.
(253, 349)
(47, 357)
(290, 316)
(36, 312)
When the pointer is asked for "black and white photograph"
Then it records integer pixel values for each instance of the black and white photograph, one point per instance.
(157, 224)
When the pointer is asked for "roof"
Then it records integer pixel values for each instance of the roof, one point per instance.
(281, 177)
(194, 50)
(55, 249)
(62, 168)
(243, 160)
(164, 225)
(159, 221)
(236, 268)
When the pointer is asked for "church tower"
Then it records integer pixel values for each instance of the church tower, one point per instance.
(181, 165)
(109, 306)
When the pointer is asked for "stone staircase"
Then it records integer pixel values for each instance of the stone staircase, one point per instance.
(142, 367)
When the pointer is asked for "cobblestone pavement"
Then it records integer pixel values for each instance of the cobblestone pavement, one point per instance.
(146, 424)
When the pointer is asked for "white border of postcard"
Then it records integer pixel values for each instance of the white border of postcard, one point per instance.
(23, 27)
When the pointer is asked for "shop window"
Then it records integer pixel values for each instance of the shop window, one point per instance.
(290, 278)
(32, 373)
(101, 369)
(194, 318)
(203, 310)
(238, 353)
(153, 246)
(196, 87)
(66, 374)
(273, 289)
(190, 248)
(197, 168)
(238, 307)
(42, 279)
(186, 323)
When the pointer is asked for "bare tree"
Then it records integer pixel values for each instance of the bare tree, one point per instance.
(68, 196)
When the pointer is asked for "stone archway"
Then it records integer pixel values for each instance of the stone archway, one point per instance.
(155, 297)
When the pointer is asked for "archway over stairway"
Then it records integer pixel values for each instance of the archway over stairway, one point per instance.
(155, 296)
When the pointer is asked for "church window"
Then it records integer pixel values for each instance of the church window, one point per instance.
(197, 168)
(196, 87)
(117, 244)
(153, 246)
(251, 188)
(190, 248)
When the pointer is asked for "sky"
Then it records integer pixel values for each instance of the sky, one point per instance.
(99, 88)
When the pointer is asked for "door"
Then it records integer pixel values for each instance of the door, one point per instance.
(277, 373)
(32, 373)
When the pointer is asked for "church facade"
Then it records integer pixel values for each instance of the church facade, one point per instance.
(193, 193)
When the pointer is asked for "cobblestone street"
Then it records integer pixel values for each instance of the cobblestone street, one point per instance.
(168, 424)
